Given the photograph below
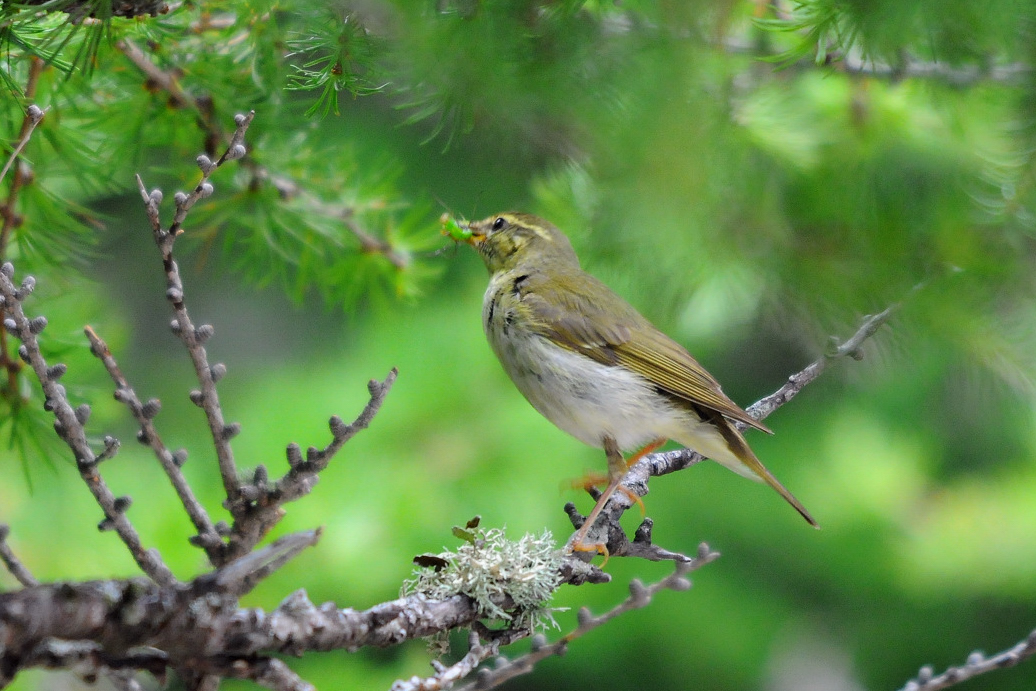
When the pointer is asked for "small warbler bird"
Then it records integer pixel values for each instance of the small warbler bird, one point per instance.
(593, 365)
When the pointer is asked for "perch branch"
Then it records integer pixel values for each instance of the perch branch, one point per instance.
(195, 622)
(607, 529)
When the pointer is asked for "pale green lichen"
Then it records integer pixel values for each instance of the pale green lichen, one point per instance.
(490, 569)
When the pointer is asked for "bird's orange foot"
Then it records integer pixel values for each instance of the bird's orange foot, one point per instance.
(635, 498)
(598, 547)
(591, 481)
(649, 448)
(586, 482)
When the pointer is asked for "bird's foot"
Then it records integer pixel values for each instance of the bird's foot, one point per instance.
(578, 545)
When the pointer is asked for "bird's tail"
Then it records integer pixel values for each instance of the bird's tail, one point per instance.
(743, 461)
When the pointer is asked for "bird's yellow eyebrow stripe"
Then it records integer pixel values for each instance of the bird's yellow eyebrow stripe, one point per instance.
(542, 233)
(539, 230)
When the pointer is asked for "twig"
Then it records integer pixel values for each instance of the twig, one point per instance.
(13, 563)
(8, 215)
(855, 64)
(640, 596)
(194, 337)
(445, 677)
(318, 459)
(166, 82)
(958, 77)
(28, 125)
(976, 664)
(762, 408)
(240, 576)
(371, 244)
(33, 116)
(266, 501)
(214, 134)
(255, 506)
(69, 424)
(285, 186)
(207, 536)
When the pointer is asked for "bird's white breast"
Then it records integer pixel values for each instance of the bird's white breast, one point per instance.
(585, 398)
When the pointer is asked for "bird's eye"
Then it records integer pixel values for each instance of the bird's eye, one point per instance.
(499, 223)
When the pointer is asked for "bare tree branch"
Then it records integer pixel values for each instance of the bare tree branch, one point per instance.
(764, 407)
(446, 676)
(69, 424)
(976, 664)
(257, 506)
(207, 536)
(853, 63)
(196, 626)
(191, 622)
(193, 337)
(9, 217)
(640, 596)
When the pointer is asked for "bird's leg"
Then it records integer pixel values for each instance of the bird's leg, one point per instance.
(592, 479)
(617, 467)
(616, 471)
(648, 448)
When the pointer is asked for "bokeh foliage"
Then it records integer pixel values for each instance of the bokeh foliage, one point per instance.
(753, 177)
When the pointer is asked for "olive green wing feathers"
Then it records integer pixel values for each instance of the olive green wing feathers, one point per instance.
(587, 317)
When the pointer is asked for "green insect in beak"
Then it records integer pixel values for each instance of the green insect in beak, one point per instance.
(458, 230)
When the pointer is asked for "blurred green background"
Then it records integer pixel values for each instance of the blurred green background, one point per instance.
(751, 209)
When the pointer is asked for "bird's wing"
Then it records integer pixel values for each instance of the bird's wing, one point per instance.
(619, 335)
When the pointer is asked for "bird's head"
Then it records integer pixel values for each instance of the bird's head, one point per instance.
(510, 240)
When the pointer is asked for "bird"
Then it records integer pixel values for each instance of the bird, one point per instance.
(590, 363)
